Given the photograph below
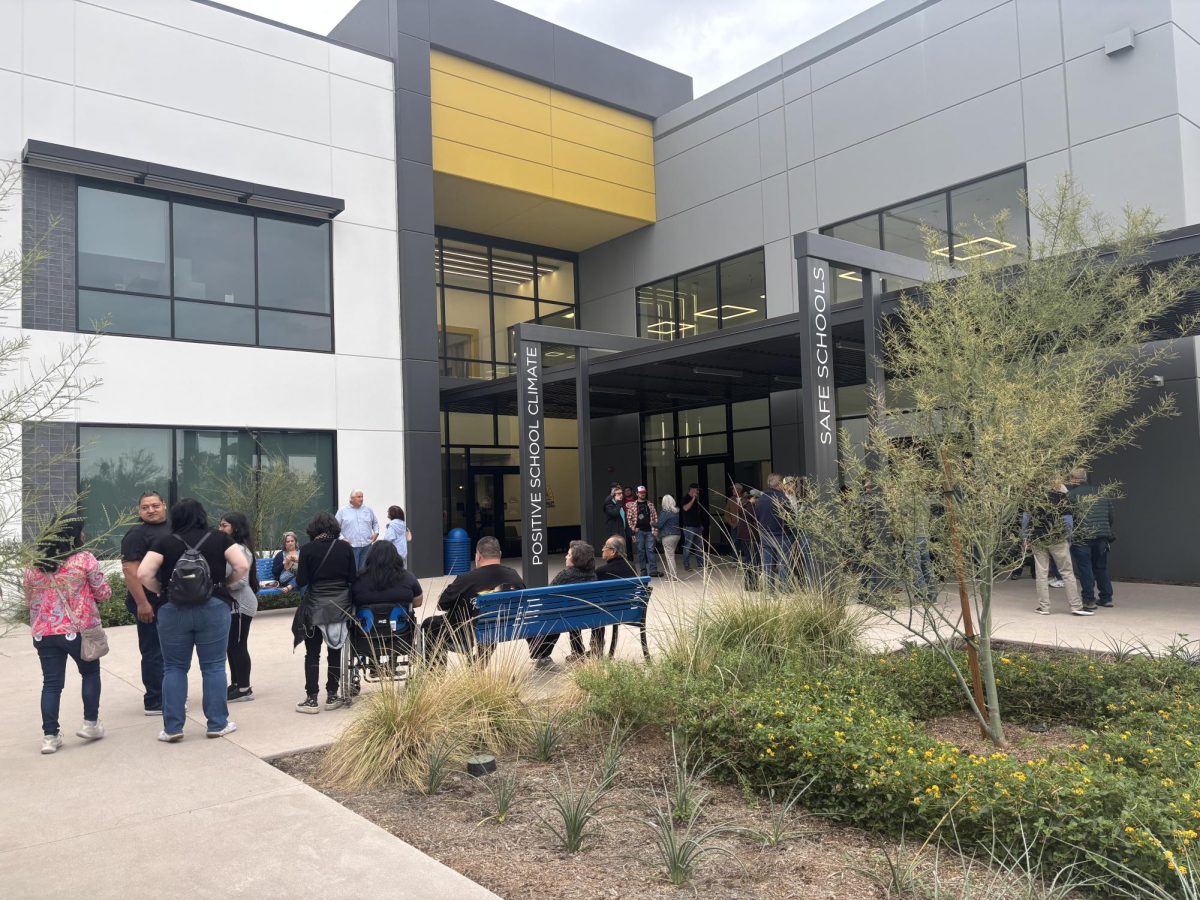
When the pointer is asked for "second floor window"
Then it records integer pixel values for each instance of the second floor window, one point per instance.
(712, 297)
(156, 266)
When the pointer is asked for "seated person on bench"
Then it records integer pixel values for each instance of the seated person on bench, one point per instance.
(615, 565)
(384, 583)
(453, 631)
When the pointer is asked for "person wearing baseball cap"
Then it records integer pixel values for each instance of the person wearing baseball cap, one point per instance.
(642, 519)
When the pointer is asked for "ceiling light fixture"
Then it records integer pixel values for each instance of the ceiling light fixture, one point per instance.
(851, 276)
(984, 246)
(668, 328)
(722, 373)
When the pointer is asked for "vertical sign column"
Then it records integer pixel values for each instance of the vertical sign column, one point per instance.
(816, 359)
(531, 420)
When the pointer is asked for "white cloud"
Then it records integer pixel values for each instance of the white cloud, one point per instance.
(714, 41)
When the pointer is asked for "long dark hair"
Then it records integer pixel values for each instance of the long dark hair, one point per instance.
(56, 546)
(240, 527)
(188, 515)
(395, 512)
(383, 567)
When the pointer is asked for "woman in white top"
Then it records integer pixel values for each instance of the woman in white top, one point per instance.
(397, 532)
(245, 605)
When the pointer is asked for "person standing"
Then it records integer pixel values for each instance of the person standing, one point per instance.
(194, 617)
(244, 594)
(579, 568)
(643, 519)
(614, 506)
(453, 631)
(670, 533)
(770, 511)
(627, 498)
(143, 605)
(61, 590)
(693, 518)
(1091, 539)
(359, 527)
(1047, 535)
(325, 574)
(397, 532)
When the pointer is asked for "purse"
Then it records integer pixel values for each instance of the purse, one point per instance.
(93, 642)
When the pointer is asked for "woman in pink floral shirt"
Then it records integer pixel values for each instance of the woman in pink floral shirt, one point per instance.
(65, 576)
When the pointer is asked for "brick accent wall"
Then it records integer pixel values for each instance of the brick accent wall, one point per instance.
(50, 473)
(48, 297)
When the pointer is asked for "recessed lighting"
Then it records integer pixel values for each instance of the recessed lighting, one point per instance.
(984, 246)
(851, 276)
(666, 328)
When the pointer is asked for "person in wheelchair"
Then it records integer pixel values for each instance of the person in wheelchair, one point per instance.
(384, 596)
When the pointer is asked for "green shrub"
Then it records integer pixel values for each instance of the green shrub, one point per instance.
(112, 610)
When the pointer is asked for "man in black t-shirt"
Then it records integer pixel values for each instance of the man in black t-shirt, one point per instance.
(143, 604)
(693, 520)
(453, 630)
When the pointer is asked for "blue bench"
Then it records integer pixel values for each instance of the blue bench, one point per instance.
(534, 612)
(263, 567)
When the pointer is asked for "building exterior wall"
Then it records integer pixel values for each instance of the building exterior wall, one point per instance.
(184, 84)
(909, 98)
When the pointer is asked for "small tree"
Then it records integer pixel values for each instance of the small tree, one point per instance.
(33, 391)
(1001, 380)
(274, 497)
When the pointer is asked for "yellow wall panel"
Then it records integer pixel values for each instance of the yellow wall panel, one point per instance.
(596, 194)
(477, 131)
(472, 97)
(472, 71)
(593, 133)
(605, 166)
(594, 110)
(491, 167)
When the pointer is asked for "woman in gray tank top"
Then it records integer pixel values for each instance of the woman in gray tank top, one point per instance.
(245, 605)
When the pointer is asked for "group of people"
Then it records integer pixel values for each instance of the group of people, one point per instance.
(633, 517)
(194, 589)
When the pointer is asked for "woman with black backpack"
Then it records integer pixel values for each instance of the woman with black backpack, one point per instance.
(325, 572)
(187, 563)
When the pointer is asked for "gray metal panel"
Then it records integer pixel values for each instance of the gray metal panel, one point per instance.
(798, 121)
(856, 256)
(770, 97)
(705, 129)
(366, 25)
(418, 308)
(412, 64)
(724, 226)
(1149, 160)
(614, 314)
(797, 84)
(742, 86)
(1187, 74)
(1040, 31)
(802, 198)
(415, 186)
(717, 167)
(495, 34)
(1085, 23)
(592, 69)
(423, 496)
(776, 215)
(412, 18)
(779, 261)
(1106, 94)
(414, 131)
(1044, 106)
(772, 143)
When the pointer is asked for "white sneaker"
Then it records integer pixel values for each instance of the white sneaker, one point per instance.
(90, 731)
(51, 743)
(1057, 582)
(230, 728)
(170, 738)
(1043, 612)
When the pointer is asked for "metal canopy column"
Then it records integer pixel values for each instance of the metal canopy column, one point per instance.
(583, 422)
(531, 421)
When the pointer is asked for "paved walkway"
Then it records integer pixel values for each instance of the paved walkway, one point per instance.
(131, 817)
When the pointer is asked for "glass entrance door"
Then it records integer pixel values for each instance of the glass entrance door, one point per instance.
(495, 506)
(714, 476)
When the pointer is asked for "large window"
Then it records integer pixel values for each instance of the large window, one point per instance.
(706, 299)
(983, 220)
(157, 266)
(119, 463)
(485, 290)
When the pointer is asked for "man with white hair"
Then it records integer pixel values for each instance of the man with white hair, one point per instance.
(360, 527)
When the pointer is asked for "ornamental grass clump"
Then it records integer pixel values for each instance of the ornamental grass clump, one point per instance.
(575, 811)
(396, 728)
(681, 845)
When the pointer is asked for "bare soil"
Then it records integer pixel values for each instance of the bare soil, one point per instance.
(519, 859)
(963, 732)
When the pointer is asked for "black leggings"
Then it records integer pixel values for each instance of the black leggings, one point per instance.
(239, 651)
(312, 665)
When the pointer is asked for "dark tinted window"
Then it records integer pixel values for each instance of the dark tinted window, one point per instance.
(123, 242)
(293, 265)
(214, 255)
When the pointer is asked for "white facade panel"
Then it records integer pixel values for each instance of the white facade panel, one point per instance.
(367, 310)
(798, 122)
(1106, 94)
(1148, 160)
(48, 111)
(772, 143)
(1187, 74)
(1189, 137)
(372, 461)
(1044, 112)
(797, 84)
(1042, 177)
(132, 57)
(779, 258)
(368, 394)
(770, 97)
(1086, 23)
(361, 67)
(1040, 32)
(48, 39)
(802, 198)
(355, 108)
(11, 35)
(367, 183)
(776, 211)
(11, 133)
(716, 167)
(963, 142)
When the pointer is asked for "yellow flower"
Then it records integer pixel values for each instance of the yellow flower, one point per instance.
(1129, 829)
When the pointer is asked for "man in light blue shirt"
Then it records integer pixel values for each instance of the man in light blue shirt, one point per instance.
(359, 527)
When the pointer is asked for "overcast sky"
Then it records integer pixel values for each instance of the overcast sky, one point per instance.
(714, 41)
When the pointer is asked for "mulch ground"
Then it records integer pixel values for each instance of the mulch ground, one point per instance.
(519, 859)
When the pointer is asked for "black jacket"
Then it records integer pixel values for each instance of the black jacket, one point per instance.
(456, 599)
(618, 567)
(612, 516)
(572, 575)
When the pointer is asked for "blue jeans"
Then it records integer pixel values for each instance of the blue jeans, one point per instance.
(206, 628)
(646, 560)
(693, 543)
(921, 564)
(774, 561)
(152, 661)
(1091, 568)
(52, 651)
(360, 556)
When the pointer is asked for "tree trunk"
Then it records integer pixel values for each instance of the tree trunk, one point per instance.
(987, 668)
